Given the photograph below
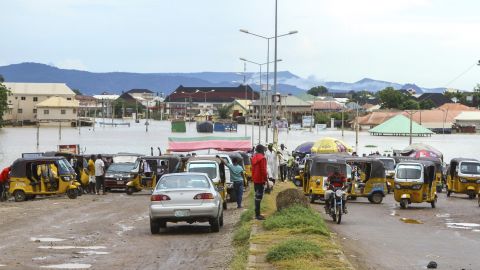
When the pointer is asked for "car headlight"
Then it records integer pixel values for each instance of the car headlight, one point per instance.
(463, 180)
(397, 186)
(417, 187)
(339, 193)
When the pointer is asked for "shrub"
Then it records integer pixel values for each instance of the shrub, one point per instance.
(299, 218)
(295, 248)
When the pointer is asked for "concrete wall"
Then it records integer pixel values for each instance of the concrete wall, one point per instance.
(27, 104)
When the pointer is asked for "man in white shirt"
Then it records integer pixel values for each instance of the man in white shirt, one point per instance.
(99, 174)
(284, 155)
(272, 163)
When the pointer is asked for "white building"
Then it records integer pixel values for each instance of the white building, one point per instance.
(24, 97)
(57, 109)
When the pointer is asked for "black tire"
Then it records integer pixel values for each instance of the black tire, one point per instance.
(72, 193)
(448, 192)
(433, 203)
(162, 223)
(79, 191)
(478, 201)
(376, 198)
(130, 190)
(403, 203)
(215, 224)
(312, 197)
(19, 195)
(439, 189)
(154, 226)
(334, 217)
(471, 195)
(224, 205)
(339, 215)
(221, 220)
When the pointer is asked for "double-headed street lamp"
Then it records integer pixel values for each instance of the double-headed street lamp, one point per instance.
(261, 100)
(268, 60)
(205, 97)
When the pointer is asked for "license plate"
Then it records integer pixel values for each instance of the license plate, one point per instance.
(119, 182)
(182, 213)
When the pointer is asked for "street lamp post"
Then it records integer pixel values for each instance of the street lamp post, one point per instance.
(205, 97)
(268, 61)
(261, 114)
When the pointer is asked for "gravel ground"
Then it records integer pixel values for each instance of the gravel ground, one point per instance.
(106, 232)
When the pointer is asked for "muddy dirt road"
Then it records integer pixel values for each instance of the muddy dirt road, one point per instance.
(106, 232)
(386, 237)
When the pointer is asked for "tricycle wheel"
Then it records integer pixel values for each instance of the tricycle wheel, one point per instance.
(403, 203)
(312, 198)
(376, 198)
(19, 195)
(221, 220)
(448, 192)
(79, 190)
(130, 190)
(433, 203)
(439, 189)
(471, 195)
(224, 205)
(72, 193)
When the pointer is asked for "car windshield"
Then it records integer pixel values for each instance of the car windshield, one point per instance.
(209, 168)
(325, 169)
(120, 167)
(183, 182)
(388, 163)
(409, 173)
(64, 167)
(470, 168)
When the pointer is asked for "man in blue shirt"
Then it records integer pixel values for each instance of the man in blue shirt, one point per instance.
(236, 176)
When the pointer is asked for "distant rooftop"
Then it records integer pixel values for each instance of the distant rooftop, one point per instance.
(51, 89)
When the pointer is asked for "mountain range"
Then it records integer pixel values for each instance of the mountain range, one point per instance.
(90, 83)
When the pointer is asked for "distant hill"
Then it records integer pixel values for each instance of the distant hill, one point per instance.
(115, 82)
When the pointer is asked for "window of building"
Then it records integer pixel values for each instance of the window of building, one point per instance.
(34, 110)
(46, 112)
(35, 98)
(63, 112)
(20, 110)
(74, 110)
(22, 98)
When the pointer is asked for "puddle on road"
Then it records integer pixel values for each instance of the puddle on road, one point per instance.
(124, 228)
(445, 215)
(2, 265)
(463, 226)
(39, 258)
(68, 266)
(93, 252)
(71, 247)
(411, 221)
(46, 239)
(394, 213)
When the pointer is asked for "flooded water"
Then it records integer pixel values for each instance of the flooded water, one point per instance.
(108, 139)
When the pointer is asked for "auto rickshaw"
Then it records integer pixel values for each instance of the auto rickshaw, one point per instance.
(316, 171)
(79, 164)
(215, 169)
(149, 169)
(367, 179)
(415, 182)
(389, 164)
(463, 177)
(30, 177)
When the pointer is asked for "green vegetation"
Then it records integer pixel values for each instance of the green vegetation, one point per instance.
(241, 236)
(4, 92)
(224, 111)
(297, 218)
(295, 248)
(318, 91)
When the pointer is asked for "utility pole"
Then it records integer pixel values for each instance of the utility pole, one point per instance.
(274, 114)
(246, 93)
(356, 132)
(342, 122)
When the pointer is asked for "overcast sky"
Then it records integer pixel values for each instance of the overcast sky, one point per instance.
(427, 42)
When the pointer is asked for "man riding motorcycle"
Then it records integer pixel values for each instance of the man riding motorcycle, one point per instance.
(334, 181)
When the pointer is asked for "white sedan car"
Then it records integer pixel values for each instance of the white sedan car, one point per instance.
(188, 197)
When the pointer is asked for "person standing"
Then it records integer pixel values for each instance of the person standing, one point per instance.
(236, 175)
(91, 175)
(272, 164)
(4, 176)
(259, 177)
(284, 155)
(99, 174)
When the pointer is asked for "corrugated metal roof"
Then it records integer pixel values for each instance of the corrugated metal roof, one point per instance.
(456, 107)
(327, 105)
(468, 116)
(49, 89)
(399, 125)
(58, 102)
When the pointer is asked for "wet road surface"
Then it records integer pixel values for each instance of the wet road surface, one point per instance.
(386, 237)
(106, 232)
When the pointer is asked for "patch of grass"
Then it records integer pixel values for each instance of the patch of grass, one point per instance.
(295, 248)
(241, 235)
(298, 218)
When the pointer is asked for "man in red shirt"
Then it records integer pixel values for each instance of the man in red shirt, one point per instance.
(4, 175)
(259, 177)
